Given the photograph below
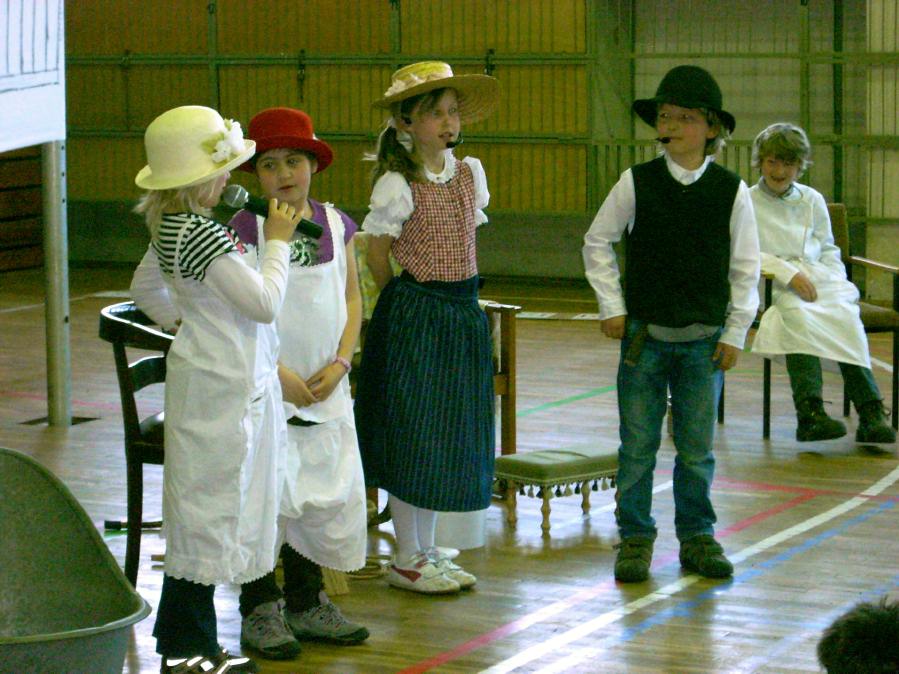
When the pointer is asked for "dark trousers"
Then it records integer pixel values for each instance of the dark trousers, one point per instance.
(185, 620)
(302, 584)
(807, 382)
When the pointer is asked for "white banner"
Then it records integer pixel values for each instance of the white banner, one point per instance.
(32, 73)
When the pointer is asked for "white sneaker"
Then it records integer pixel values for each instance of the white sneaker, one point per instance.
(421, 574)
(450, 569)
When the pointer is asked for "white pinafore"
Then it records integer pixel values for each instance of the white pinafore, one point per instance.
(323, 507)
(225, 440)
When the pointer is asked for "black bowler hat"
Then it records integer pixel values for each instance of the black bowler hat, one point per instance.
(687, 87)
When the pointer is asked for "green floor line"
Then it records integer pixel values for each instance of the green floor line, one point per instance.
(565, 401)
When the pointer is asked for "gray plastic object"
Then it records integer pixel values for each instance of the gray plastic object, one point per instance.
(65, 605)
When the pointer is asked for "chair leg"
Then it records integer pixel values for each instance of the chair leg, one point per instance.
(135, 482)
(547, 495)
(896, 380)
(585, 498)
(846, 401)
(511, 503)
(766, 399)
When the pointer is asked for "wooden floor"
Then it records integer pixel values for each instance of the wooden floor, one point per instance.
(812, 528)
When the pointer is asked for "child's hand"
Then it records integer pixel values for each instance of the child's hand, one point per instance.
(725, 356)
(293, 389)
(323, 382)
(281, 222)
(613, 328)
(802, 286)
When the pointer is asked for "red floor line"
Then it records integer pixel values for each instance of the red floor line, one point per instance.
(526, 621)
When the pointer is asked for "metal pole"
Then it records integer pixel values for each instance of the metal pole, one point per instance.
(56, 270)
(804, 68)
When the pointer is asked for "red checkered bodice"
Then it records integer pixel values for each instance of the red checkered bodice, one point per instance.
(438, 240)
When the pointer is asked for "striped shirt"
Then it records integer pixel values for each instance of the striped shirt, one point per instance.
(202, 242)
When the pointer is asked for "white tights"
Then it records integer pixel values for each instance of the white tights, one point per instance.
(414, 527)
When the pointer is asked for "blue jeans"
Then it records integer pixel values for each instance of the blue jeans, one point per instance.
(687, 369)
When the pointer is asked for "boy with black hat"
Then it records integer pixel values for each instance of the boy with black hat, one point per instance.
(691, 271)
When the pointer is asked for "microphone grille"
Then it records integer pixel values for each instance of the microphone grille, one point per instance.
(235, 196)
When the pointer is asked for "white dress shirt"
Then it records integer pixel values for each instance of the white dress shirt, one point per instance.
(617, 215)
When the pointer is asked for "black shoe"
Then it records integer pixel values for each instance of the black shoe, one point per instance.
(872, 424)
(222, 662)
(814, 424)
(633, 560)
(704, 555)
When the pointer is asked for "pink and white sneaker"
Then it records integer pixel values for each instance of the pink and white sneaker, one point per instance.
(421, 574)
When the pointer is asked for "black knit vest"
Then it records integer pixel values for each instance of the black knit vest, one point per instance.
(678, 252)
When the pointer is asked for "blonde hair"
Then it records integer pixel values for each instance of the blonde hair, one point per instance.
(783, 141)
(389, 154)
(154, 203)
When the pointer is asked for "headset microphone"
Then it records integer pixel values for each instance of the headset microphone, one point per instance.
(664, 140)
(455, 143)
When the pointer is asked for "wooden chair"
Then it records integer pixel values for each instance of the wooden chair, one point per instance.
(124, 326)
(876, 319)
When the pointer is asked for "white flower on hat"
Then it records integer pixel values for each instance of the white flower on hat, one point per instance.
(231, 143)
(408, 81)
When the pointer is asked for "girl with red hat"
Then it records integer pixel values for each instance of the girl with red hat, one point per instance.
(323, 508)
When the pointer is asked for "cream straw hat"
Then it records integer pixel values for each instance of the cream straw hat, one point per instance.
(477, 94)
(190, 145)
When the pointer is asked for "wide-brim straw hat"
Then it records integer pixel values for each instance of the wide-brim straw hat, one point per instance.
(477, 94)
(190, 145)
(687, 87)
(288, 128)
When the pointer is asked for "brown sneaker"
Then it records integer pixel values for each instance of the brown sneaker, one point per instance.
(633, 560)
(704, 555)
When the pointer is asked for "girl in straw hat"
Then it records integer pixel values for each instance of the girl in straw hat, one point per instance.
(424, 403)
(224, 426)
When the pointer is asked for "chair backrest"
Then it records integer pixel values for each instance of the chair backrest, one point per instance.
(124, 325)
(367, 286)
(839, 224)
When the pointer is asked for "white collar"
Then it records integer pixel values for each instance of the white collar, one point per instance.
(449, 169)
(686, 176)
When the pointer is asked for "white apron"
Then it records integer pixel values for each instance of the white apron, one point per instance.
(225, 442)
(795, 233)
(323, 506)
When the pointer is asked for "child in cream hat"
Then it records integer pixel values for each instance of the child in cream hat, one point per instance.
(224, 424)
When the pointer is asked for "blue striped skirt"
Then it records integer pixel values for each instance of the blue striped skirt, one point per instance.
(424, 398)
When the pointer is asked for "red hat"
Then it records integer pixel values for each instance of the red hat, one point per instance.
(288, 128)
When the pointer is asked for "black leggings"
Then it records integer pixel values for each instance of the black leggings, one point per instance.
(302, 584)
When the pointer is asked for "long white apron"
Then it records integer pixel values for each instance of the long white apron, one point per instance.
(225, 441)
(795, 236)
(830, 327)
(323, 506)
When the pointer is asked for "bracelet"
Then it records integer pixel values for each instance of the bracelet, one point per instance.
(343, 361)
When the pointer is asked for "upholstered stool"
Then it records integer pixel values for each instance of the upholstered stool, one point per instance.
(554, 472)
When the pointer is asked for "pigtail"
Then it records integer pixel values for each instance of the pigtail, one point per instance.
(391, 155)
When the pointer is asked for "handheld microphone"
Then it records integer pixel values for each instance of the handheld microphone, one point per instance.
(236, 196)
(455, 143)
(664, 140)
